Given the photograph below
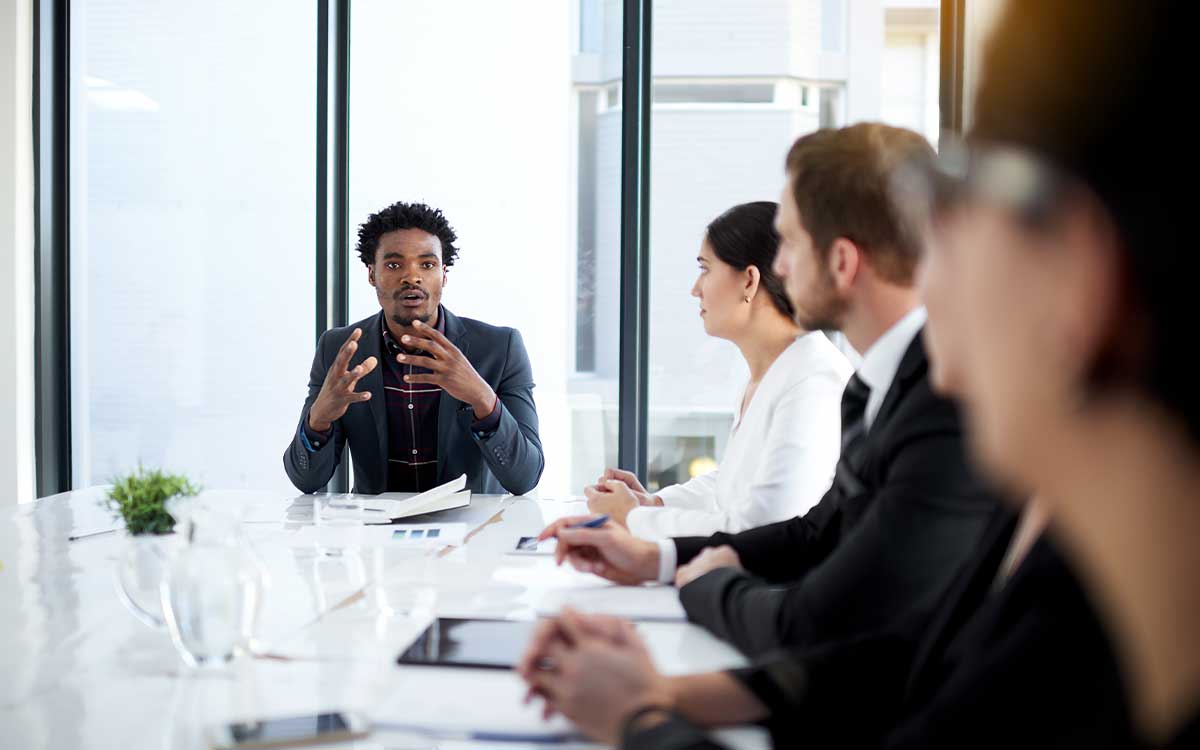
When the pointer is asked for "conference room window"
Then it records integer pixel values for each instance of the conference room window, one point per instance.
(191, 239)
(735, 84)
(528, 175)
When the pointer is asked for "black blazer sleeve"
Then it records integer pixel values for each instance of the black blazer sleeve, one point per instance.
(780, 551)
(840, 696)
(311, 471)
(915, 532)
(513, 451)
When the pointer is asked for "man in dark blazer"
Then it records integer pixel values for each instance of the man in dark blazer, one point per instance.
(905, 509)
(1014, 657)
(452, 396)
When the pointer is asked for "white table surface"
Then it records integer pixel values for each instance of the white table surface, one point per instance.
(78, 670)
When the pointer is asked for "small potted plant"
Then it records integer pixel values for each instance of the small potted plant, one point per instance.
(141, 498)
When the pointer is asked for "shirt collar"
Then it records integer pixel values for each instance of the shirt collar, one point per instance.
(882, 359)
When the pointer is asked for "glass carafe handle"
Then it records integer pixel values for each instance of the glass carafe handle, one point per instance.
(137, 578)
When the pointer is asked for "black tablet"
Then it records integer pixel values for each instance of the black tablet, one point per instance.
(483, 644)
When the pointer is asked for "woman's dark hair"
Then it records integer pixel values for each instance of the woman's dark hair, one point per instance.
(745, 236)
(406, 216)
(1084, 85)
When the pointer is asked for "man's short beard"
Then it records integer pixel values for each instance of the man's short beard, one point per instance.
(407, 320)
(821, 309)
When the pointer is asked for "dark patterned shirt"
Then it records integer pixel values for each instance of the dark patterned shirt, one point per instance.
(412, 415)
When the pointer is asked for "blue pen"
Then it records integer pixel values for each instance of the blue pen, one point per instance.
(593, 523)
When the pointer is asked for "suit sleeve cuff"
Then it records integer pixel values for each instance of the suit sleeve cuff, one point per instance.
(313, 441)
(488, 424)
(666, 561)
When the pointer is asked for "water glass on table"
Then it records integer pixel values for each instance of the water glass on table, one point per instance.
(339, 522)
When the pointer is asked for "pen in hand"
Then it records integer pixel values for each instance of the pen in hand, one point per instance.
(591, 523)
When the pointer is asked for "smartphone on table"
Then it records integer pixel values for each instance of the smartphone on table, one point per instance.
(288, 731)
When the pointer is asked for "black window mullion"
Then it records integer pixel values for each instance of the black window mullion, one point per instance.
(636, 77)
(333, 195)
(52, 298)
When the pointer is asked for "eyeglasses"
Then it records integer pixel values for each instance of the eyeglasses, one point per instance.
(1010, 178)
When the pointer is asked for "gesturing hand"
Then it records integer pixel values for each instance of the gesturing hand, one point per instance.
(451, 371)
(337, 392)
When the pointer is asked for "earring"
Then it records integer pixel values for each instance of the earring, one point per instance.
(747, 299)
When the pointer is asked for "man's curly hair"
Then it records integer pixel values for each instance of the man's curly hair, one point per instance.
(401, 215)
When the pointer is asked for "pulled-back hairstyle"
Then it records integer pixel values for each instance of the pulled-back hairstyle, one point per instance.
(745, 236)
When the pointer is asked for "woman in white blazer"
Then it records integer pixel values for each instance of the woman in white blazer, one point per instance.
(786, 434)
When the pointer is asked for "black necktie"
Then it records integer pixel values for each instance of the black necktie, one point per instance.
(854, 432)
(854, 407)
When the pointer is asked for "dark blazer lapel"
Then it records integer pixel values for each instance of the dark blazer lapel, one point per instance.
(913, 365)
(447, 404)
(369, 346)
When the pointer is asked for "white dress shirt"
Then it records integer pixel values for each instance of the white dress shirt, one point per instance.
(878, 370)
(780, 457)
(882, 360)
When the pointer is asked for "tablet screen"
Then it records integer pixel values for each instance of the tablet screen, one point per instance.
(453, 642)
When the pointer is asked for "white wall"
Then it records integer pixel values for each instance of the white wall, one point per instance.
(16, 252)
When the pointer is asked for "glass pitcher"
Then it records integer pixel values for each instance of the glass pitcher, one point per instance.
(212, 589)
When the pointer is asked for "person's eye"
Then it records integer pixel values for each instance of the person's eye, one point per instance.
(393, 266)
(428, 264)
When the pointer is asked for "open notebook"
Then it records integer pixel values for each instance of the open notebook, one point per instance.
(392, 506)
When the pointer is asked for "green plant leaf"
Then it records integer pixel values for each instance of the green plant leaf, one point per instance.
(140, 499)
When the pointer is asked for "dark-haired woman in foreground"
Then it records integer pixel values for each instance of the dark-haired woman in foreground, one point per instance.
(785, 439)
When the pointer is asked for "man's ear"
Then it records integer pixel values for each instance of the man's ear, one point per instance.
(371, 274)
(445, 275)
(845, 262)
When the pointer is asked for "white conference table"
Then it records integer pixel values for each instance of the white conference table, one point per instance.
(78, 670)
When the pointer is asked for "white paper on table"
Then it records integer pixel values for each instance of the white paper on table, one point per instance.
(457, 700)
(393, 505)
(379, 536)
(647, 603)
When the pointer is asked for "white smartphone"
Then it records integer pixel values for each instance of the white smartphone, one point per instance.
(288, 731)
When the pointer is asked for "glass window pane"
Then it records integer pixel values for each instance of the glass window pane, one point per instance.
(503, 115)
(192, 216)
(717, 140)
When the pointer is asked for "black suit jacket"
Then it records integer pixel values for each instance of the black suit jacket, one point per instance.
(509, 459)
(1026, 666)
(882, 544)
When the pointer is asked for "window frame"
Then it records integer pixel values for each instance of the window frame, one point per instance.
(52, 293)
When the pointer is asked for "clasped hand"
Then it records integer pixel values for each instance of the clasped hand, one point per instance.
(595, 670)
